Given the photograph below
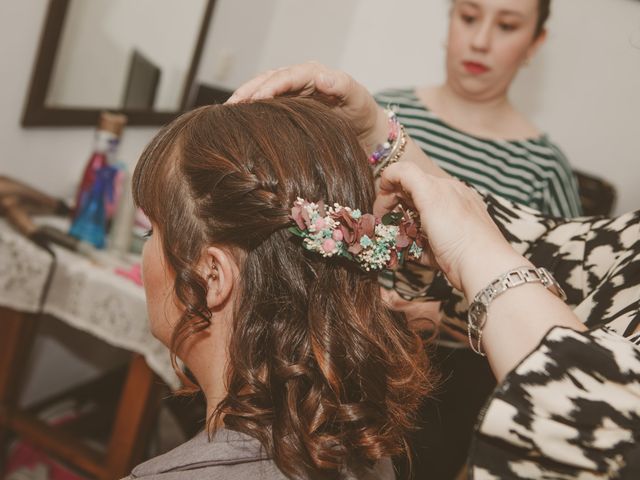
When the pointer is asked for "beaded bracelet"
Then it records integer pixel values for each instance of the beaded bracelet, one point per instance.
(390, 151)
(383, 150)
(394, 155)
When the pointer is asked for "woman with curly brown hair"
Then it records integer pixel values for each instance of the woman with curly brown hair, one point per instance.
(305, 371)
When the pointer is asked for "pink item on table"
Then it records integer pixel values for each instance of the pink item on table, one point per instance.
(134, 273)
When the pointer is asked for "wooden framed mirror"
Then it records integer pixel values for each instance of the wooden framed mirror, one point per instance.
(139, 58)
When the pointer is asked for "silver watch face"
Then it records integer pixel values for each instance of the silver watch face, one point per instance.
(477, 315)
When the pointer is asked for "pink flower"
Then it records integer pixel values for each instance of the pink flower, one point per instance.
(408, 232)
(353, 230)
(367, 226)
(300, 216)
(328, 245)
(337, 235)
(320, 224)
(348, 226)
(402, 240)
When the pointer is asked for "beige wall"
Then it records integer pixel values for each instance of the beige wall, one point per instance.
(582, 89)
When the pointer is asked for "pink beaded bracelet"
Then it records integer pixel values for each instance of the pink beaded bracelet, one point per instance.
(383, 150)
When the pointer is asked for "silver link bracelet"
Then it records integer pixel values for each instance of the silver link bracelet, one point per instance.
(477, 316)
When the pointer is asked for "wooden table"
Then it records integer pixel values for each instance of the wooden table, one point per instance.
(115, 313)
(135, 414)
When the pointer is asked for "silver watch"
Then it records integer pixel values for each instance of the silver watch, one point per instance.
(477, 316)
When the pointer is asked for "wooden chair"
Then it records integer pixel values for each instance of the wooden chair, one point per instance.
(598, 197)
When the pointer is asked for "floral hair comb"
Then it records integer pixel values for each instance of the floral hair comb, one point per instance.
(373, 243)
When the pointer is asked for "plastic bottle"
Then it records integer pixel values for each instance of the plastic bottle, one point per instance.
(97, 198)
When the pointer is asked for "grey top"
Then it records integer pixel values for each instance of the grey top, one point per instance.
(230, 455)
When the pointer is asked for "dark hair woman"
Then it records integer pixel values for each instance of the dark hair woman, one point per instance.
(305, 371)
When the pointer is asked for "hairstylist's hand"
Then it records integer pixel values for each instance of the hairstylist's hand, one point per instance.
(350, 98)
(472, 252)
(464, 241)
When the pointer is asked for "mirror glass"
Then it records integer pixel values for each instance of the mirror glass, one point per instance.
(125, 55)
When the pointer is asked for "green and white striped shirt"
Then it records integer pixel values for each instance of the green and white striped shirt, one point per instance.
(533, 172)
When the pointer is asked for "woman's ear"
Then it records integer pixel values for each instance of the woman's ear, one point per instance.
(218, 268)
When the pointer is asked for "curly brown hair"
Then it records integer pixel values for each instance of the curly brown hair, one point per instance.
(320, 371)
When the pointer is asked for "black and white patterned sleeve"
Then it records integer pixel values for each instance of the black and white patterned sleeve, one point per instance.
(570, 410)
(523, 227)
(596, 260)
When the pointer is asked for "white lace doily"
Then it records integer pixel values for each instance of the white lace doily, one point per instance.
(85, 295)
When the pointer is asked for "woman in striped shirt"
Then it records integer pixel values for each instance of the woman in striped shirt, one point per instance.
(471, 129)
(531, 171)
(469, 126)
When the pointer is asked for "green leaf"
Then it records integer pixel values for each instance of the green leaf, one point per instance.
(297, 232)
(347, 255)
(392, 218)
